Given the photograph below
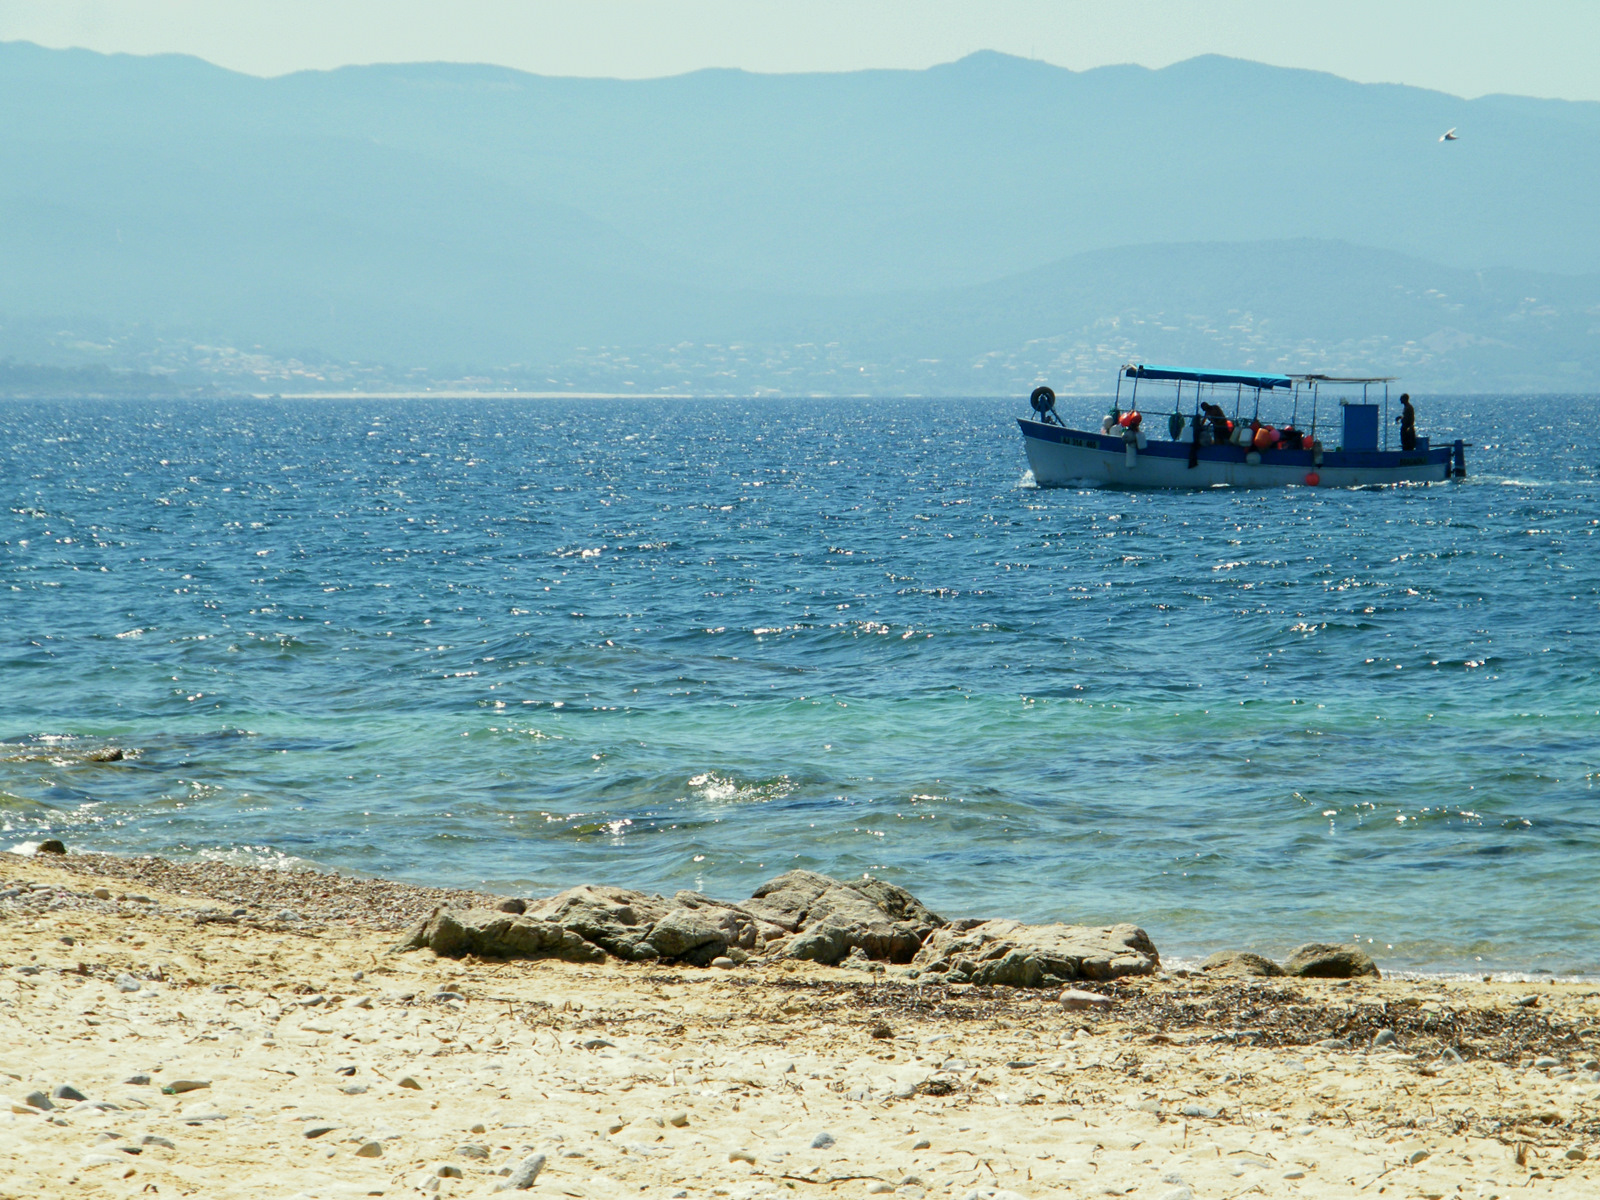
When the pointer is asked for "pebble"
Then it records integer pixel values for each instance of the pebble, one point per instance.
(354, 1089)
(38, 1100)
(151, 1139)
(1546, 1062)
(744, 1156)
(723, 963)
(137, 1081)
(1196, 1110)
(473, 1150)
(369, 1150)
(822, 1141)
(1384, 1037)
(102, 893)
(1074, 1000)
(879, 1188)
(678, 1119)
(65, 1091)
(316, 1131)
(526, 1172)
(924, 1144)
(179, 1086)
(408, 1082)
(448, 1171)
(127, 983)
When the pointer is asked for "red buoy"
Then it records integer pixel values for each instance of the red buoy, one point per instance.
(1312, 479)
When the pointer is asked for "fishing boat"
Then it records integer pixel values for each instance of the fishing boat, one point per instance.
(1209, 446)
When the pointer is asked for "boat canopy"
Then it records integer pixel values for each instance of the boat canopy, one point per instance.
(1140, 371)
(1345, 378)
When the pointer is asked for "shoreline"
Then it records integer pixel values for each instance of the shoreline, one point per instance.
(306, 1057)
(297, 889)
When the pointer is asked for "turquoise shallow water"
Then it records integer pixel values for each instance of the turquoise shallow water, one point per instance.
(693, 644)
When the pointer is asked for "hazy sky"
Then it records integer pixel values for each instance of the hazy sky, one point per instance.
(1467, 47)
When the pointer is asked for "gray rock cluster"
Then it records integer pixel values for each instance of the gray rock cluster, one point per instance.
(801, 914)
(1314, 960)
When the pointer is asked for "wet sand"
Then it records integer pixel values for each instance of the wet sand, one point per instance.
(335, 1068)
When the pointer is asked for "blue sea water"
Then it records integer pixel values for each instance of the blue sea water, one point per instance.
(693, 644)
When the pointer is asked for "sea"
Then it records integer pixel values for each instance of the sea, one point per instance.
(523, 644)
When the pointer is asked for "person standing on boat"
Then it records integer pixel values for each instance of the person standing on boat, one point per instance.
(1408, 423)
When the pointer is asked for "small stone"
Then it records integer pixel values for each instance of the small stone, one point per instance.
(1545, 1063)
(879, 1188)
(408, 1082)
(881, 1031)
(52, 846)
(822, 1141)
(127, 983)
(1576, 1154)
(137, 1081)
(370, 1150)
(345, 1070)
(1384, 1037)
(316, 1131)
(354, 1089)
(1527, 1002)
(924, 1144)
(597, 1043)
(448, 1171)
(525, 1173)
(473, 1150)
(102, 893)
(481, 1129)
(678, 1120)
(287, 914)
(38, 1100)
(65, 1091)
(512, 906)
(151, 1139)
(1074, 1000)
(179, 1086)
(742, 1156)
(723, 963)
(1201, 1111)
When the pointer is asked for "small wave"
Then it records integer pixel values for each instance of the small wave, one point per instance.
(718, 788)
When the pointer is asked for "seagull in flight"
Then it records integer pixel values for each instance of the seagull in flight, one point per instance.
(1450, 135)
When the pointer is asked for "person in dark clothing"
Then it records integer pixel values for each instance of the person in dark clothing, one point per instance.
(1408, 423)
(1219, 422)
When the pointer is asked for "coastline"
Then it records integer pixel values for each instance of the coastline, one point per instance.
(775, 1077)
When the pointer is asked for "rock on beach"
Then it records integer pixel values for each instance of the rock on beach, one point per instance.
(1325, 960)
(1241, 962)
(1009, 952)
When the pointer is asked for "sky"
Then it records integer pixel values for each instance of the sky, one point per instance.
(1465, 47)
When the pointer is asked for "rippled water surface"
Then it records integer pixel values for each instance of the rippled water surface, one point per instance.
(693, 644)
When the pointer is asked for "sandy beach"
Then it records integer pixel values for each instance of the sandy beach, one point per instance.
(199, 1030)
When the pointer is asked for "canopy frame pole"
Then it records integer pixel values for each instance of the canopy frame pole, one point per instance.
(1294, 412)
(1238, 402)
(1313, 412)
(1117, 400)
(1257, 416)
(1386, 416)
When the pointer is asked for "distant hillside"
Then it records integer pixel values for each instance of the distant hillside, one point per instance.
(441, 220)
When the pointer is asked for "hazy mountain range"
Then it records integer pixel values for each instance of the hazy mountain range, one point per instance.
(972, 227)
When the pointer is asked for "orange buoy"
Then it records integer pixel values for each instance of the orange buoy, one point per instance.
(1265, 438)
(1130, 420)
(1312, 479)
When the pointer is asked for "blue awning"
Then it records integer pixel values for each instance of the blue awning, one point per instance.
(1140, 371)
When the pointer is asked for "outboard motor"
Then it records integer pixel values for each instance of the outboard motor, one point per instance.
(1044, 403)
